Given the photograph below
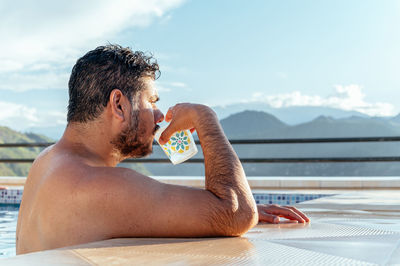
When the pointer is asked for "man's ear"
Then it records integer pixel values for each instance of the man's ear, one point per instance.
(118, 104)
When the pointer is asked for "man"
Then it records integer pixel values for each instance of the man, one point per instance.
(74, 193)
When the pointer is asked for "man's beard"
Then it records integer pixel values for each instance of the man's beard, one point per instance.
(130, 142)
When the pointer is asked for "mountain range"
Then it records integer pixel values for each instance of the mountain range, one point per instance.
(262, 125)
(8, 135)
(293, 115)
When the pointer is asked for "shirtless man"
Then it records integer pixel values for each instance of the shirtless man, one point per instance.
(74, 193)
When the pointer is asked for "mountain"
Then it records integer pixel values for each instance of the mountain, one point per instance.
(353, 126)
(251, 124)
(395, 119)
(8, 135)
(289, 115)
(255, 124)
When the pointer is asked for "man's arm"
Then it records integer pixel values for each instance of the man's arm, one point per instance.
(123, 203)
(225, 177)
(224, 174)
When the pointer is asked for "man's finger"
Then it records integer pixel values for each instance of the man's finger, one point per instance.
(269, 218)
(167, 133)
(291, 215)
(299, 213)
(168, 115)
(288, 214)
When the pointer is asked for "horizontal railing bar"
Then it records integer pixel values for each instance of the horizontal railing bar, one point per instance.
(255, 160)
(16, 160)
(248, 141)
(25, 145)
(313, 140)
(284, 160)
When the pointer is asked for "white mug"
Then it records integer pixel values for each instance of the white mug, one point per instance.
(180, 147)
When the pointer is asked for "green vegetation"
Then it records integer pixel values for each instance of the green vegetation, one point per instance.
(8, 135)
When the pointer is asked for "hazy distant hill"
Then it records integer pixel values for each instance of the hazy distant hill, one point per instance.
(345, 127)
(252, 124)
(289, 115)
(255, 124)
(395, 119)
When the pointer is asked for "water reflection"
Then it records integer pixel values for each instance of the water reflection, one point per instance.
(8, 225)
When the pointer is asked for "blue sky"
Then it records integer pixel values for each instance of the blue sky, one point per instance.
(341, 54)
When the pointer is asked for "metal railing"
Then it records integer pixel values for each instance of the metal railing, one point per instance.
(251, 160)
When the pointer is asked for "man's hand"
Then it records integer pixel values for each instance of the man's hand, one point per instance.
(183, 116)
(270, 213)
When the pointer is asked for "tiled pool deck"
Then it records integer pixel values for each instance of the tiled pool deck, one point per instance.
(11, 195)
(352, 227)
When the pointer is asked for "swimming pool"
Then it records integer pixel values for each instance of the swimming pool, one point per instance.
(8, 225)
(9, 215)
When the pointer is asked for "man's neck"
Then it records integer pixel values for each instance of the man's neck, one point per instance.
(92, 141)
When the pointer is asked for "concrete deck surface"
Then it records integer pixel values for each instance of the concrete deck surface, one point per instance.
(351, 228)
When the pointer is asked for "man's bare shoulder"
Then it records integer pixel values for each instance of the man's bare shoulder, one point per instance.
(57, 162)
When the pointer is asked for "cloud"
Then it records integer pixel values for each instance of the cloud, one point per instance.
(349, 98)
(161, 88)
(25, 81)
(46, 36)
(21, 117)
(10, 111)
(178, 84)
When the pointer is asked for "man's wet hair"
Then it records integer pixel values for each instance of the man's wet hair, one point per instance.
(102, 70)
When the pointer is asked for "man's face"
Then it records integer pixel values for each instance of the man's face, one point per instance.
(136, 139)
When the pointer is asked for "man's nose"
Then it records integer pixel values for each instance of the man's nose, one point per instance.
(158, 116)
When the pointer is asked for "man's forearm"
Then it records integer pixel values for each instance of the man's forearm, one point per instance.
(224, 173)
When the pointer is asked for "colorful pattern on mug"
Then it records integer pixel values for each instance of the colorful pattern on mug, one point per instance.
(180, 142)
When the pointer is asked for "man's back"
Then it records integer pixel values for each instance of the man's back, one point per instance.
(46, 217)
(33, 206)
(52, 212)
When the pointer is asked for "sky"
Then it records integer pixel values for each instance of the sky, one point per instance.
(340, 54)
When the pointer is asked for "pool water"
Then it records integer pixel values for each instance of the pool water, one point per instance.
(8, 225)
(285, 198)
